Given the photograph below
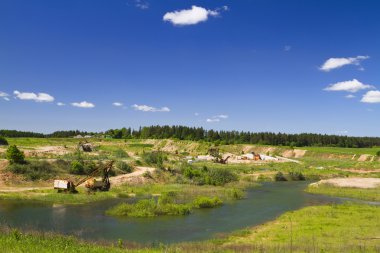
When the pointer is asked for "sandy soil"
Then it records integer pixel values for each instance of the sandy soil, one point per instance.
(56, 150)
(351, 182)
(134, 177)
(363, 158)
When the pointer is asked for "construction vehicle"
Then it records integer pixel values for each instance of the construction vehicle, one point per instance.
(217, 156)
(91, 183)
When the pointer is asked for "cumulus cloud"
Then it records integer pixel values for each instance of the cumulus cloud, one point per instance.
(118, 104)
(61, 104)
(350, 96)
(147, 108)
(349, 86)
(4, 95)
(372, 96)
(40, 97)
(217, 118)
(334, 63)
(192, 16)
(83, 104)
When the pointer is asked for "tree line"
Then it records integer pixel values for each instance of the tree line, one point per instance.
(218, 137)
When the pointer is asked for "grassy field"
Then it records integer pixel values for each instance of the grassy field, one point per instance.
(356, 193)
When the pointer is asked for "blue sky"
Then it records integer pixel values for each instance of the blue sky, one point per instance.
(289, 66)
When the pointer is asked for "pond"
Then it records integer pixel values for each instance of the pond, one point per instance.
(89, 221)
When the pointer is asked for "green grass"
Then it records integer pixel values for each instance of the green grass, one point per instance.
(167, 204)
(51, 196)
(333, 228)
(356, 193)
(16, 242)
(149, 208)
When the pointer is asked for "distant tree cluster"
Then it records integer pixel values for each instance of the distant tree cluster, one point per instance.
(236, 137)
(15, 133)
(218, 137)
(68, 134)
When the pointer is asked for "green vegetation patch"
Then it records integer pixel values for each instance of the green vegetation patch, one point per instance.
(148, 208)
(371, 194)
(207, 202)
(334, 228)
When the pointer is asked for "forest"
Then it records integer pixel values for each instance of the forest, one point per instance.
(217, 137)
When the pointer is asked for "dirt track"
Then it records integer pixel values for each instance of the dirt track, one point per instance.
(136, 176)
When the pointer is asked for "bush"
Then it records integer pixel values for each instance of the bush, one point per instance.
(77, 168)
(3, 141)
(155, 158)
(378, 153)
(296, 176)
(207, 202)
(124, 167)
(14, 155)
(34, 170)
(120, 153)
(280, 177)
(220, 177)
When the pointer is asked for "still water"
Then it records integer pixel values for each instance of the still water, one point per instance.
(89, 221)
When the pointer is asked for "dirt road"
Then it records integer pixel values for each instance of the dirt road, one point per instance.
(136, 176)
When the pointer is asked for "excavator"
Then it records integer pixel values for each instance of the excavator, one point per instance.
(68, 186)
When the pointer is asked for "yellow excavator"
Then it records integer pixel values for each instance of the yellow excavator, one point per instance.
(68, 186)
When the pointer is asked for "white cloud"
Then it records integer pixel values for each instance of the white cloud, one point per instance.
(40, 97)
(350, 96)
(217, 118)
(372, 96)
(118, 104)
(349, 86)
(334, 63)
(196, 114)
(83, 104)
(192, 16)
(61, 104)
(287, 48)
(147, 108)
(141, 4)
(211, 120)
(4, 96)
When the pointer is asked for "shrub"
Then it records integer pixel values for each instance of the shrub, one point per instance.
(220, 176)
(155, 158)
(3, 141)
(296, 176)
(34, 170)
(125, 167)
(89, 167)
(207, 202)
(120, 153)
(14, 155)
(378, 153)
(280, 177)
(77, 168)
